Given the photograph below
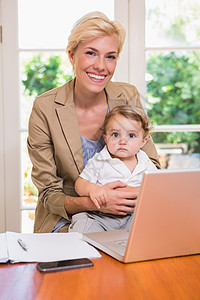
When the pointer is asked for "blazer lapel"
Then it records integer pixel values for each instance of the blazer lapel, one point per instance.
(69, 123)
(115, 95)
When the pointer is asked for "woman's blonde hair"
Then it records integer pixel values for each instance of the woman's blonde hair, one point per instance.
(95, 24)
(132, 113)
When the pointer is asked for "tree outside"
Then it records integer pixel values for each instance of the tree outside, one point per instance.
(41, 73)
(173, 77)
(174, 95)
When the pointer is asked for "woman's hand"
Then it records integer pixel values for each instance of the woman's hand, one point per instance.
(121, 199)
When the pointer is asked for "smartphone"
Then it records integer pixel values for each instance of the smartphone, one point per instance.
(46, 267)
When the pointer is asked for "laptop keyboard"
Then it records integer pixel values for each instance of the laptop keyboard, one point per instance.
(122, 243)
(118, 246)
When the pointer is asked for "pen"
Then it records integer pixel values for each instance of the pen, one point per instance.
(22, 244)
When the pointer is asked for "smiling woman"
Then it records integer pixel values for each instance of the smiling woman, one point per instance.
(65, 126)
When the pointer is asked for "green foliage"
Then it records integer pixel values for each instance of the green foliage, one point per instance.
(174, 94)
(43, 74)
(40, 75)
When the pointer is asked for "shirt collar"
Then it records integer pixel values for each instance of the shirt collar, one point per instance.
(104, 154)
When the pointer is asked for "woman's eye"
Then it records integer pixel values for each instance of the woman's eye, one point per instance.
(111, 57)
(90, 53)
(115, 134)
(131, 135)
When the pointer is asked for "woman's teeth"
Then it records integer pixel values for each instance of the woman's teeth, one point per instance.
(98, 77)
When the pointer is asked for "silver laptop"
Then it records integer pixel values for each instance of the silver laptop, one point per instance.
(166, 221)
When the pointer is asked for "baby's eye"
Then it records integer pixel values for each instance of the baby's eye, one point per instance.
(115, 134)
(131, 135)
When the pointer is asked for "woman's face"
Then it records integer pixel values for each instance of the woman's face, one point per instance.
(94, 63)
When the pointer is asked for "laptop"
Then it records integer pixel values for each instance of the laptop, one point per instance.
(166, 220)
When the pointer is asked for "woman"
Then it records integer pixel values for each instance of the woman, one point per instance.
(64, 126)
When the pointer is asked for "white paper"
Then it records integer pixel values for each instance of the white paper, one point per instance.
(44, 247)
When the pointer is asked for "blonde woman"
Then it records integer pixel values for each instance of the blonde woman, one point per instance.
(64, 126)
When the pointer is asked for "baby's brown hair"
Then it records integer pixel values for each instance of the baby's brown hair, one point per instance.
(132, 113)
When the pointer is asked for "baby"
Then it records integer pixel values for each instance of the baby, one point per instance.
(125, 131)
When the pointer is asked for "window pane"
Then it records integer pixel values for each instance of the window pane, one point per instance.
(28, 217)
(173, 87)
(29, 191)
(177, 142)
(172, 23)
(41, 72)
(47, 23)
(178, 150)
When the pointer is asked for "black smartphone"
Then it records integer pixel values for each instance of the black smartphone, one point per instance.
(46, 267)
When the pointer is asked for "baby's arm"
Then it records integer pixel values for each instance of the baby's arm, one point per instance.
(97, 194)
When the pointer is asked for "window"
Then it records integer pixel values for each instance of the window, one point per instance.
(164, 65)
(172, 50)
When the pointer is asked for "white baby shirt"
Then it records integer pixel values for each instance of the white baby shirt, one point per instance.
(102, 169)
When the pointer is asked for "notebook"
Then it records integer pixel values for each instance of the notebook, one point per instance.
(43, 247)
(166, 220)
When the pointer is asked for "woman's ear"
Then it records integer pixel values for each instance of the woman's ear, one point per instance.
(71, 56)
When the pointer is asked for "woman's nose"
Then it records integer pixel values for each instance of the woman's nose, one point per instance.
(99, 64)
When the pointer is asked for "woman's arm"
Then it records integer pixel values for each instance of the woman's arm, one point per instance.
(120, 200)
(75, 205)
(44, 173)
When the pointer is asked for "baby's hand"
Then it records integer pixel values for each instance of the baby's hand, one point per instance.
(98, 196)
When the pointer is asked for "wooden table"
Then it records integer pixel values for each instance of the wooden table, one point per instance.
(173, 278)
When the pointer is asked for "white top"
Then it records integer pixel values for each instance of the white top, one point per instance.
(102, 169)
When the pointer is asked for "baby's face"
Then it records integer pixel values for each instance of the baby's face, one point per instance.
(124, 137)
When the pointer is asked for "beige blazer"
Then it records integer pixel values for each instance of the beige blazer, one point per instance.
(54, 146)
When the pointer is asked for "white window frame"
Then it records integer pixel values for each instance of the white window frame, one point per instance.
(10, 118)
(2, 182)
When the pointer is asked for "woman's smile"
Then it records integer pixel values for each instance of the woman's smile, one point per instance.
(96, 77)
